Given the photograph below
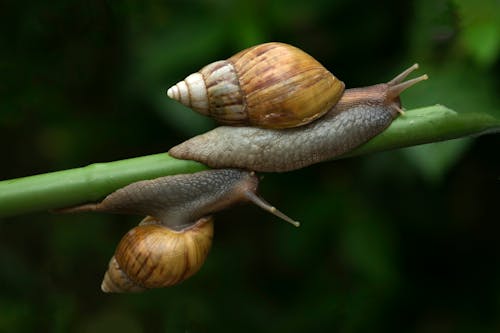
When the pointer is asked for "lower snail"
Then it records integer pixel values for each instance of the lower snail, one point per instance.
(173, 241)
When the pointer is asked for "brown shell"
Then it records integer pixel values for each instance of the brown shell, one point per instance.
(154, 256)
(272, 85)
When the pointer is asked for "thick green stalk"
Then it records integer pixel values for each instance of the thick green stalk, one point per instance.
(91, 183)
(429, 124)
(86, 184)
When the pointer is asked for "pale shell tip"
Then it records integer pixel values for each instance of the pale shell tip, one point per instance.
(173, 92)
(105, 285)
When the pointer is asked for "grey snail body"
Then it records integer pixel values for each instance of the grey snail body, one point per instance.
(360, 114)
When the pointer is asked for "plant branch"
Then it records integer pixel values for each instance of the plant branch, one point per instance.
(86, 184)
(426, 125)
(93, 182)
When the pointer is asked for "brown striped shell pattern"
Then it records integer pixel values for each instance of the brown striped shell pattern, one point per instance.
(271, 85)
(144, 259)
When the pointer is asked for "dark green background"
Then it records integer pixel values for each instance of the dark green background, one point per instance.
(403, 241)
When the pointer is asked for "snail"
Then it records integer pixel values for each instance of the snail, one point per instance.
(319, 135)
(173, 241)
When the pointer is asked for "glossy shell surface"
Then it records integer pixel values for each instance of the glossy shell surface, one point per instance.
(272, 85)
(154, 256)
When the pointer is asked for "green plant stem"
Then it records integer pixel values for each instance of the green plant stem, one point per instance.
(93, 182)
(429, 124)
(86, 184)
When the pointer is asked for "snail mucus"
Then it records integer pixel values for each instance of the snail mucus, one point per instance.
(281, 110)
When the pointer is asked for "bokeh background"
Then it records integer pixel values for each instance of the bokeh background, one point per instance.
(401, 241)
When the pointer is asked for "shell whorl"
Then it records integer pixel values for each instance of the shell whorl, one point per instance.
(191, 92)
(116, 281)
(213, 91)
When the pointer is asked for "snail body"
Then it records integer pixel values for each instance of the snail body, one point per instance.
(271, 85)
(359, 115)
(173, 241)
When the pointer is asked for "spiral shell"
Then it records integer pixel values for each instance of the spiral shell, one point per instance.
(272, 85)
(154, 256)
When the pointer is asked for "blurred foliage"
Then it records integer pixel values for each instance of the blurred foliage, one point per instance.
(403, 241)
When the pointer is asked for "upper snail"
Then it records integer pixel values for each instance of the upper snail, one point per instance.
(272, 85)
